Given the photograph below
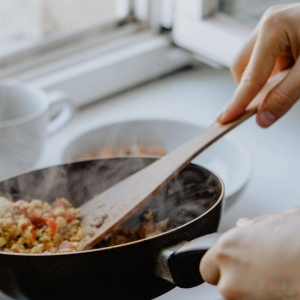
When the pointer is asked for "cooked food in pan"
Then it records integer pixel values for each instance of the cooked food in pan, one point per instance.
(38, 227)
(148, 228)
(191, 206)
(53, 226)
(135, 150)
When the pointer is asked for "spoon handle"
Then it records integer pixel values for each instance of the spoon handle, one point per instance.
(121, 201)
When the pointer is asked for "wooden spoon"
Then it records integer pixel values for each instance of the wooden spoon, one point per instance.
(107, 211)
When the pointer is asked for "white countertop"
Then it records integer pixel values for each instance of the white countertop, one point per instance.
(197, 95)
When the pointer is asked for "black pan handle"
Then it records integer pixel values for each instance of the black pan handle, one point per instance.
(179, 264)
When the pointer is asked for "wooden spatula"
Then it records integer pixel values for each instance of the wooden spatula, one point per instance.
(105, 212)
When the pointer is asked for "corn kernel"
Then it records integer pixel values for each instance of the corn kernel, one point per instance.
(3, 241)
(61, 222)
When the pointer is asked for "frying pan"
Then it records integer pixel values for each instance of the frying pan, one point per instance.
(144, 269)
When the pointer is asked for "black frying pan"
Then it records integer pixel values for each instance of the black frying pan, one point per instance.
(193, 201)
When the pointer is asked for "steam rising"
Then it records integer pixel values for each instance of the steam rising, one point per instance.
(188, 196)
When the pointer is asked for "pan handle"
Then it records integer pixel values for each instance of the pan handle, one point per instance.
(179, 264)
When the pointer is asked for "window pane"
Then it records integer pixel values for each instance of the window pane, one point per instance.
(40, 18)
(29, 23)
(249, 11)
(65, 15)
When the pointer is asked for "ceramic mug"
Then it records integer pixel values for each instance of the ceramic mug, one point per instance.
(25, 123)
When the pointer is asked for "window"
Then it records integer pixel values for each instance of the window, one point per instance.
(27, 23)
(246, 11)
(87, 48)
(92, 49)
(216, 29)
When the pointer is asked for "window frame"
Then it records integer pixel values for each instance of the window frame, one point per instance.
(214, 31)
(27, 48)
(120, 55)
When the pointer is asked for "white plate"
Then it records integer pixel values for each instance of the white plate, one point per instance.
(227, 157)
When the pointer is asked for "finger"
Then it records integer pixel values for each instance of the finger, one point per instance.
(294, 210)
(237, 284)
(209, 268)
(240, 63)
(260, 219)
(243, 222)
(267, 47)
(283, 62)
(280, 99)
(232, 286)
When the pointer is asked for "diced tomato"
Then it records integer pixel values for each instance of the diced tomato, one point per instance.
(20, 206)
(38, 221)
(61, 202)
(52, 225)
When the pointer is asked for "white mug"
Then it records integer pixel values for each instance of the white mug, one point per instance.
(25, 122)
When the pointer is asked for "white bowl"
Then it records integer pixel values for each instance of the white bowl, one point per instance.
(227, 158)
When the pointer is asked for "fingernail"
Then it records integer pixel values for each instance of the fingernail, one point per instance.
(266, 118)
(243, 222)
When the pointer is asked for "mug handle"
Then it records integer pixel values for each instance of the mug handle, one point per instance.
(65, 114)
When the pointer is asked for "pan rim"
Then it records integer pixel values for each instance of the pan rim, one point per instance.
(218, 201)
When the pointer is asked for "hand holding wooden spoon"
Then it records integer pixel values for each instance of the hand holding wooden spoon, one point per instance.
(110, 209)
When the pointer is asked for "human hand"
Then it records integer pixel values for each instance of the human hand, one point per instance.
(259, 259)
(273, 46)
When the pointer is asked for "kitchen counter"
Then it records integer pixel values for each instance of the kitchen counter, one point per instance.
(197, 95)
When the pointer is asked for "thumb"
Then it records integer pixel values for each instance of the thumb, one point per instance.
(281, 98)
